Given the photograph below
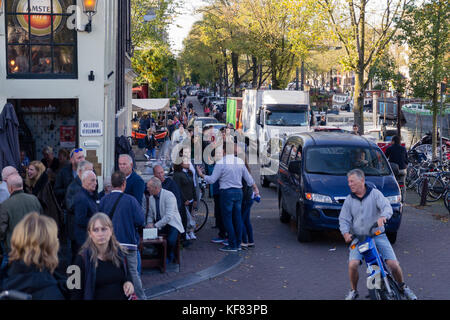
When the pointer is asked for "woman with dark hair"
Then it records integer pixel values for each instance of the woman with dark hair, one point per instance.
(103, 265)
(34, 259)
(37, 182)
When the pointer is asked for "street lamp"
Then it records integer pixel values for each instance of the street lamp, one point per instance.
(90, 9)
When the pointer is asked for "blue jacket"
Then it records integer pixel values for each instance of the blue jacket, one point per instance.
(84, 208)
(128, 216)
(135, 187)
(171, 186)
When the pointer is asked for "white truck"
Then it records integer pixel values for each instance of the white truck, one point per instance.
(268, 118)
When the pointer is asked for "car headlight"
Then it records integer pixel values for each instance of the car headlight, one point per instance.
(394, 199)
(318, 198)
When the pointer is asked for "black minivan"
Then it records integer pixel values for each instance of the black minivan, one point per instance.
(312, 180)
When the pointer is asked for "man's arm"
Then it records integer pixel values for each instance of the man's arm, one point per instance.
(345, 219)
(216, 174)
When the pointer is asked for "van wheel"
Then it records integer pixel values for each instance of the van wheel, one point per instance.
(392, 236)
(264, 182)
(303, 235)
(284, 215)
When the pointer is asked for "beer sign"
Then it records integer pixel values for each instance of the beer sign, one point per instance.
(39, 19)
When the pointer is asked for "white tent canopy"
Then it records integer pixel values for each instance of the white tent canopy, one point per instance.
(153, 105)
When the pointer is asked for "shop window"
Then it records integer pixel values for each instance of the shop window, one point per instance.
(39, 42)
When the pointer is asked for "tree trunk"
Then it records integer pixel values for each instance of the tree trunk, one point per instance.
(273, 66)
(358, 100)
(225, 67)
(236, 79)
(255, 72)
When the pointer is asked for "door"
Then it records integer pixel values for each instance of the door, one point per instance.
(293, 188)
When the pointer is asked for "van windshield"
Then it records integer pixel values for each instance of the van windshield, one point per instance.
(338, 160)
(287, 118)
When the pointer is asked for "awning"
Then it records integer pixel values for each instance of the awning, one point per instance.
(153, 105)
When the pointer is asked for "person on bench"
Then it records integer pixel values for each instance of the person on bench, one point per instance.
(163, 214)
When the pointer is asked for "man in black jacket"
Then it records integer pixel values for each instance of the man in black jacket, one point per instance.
(68, 174)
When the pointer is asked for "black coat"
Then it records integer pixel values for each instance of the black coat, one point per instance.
(63, 180)
(29, 279)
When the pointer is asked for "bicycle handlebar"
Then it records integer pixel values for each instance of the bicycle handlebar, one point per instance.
(14, 295)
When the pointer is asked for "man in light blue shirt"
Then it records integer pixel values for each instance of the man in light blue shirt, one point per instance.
(230, 171)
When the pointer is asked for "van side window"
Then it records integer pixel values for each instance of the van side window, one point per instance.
(286, 151)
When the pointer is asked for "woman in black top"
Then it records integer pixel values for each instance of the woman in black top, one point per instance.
(104, 274)
(150, 144)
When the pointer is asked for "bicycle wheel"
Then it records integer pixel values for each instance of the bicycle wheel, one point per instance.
(383, 294)
(411, 177)
(436, 188)
(200, 215)
(447, 200)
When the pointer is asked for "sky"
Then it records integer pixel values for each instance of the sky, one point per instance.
(185, 22)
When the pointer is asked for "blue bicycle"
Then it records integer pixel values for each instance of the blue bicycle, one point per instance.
(380, 283)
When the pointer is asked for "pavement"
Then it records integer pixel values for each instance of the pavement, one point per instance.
(200, 261)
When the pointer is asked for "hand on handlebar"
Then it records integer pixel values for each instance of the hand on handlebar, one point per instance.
(381, 221)
(348, 237)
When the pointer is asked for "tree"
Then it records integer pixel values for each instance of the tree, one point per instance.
(425, 29)
(154, 64)
(364, 31)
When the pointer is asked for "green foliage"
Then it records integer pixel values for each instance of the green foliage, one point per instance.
(154, 64)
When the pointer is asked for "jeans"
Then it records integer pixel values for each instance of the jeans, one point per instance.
(172, 236)
(132, 259)
(218, 216)
(152, 153)
(247, 230)
(231, 204)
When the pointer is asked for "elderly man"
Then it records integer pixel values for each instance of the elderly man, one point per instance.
(68, 174)
(164, 215)
(73, 189)
(85, 207)
(363, 208)
(12, 211)
(135, 184)
(6, 172)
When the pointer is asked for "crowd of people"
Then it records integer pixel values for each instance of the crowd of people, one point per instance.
(54, 217)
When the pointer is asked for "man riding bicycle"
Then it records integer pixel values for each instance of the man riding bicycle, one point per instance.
(361, 209)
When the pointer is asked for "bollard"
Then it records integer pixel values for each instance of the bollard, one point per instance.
(423, 195)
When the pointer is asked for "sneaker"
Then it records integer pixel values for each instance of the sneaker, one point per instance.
(218, 240)
(147, 156)
(352, 295)
(408, 293)
(228, 249)
(188, 236)
(193, 237)
(251, 245)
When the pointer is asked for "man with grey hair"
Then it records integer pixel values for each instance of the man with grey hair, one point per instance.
(6, 172)
(12, 210)
(364, 207)
(163, 214)
(135, 184)
(85, 206)
(74, 187)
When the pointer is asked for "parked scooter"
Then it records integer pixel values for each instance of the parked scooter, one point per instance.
(380, 283)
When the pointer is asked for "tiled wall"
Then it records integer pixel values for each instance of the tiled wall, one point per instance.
(39, 125)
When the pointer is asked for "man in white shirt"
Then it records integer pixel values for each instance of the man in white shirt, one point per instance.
(230, 171)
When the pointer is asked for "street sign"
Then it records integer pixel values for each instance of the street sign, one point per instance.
(91, 128)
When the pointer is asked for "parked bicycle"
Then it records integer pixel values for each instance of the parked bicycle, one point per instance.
(201, 213)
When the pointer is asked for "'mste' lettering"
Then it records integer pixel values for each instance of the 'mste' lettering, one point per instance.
(41, 9)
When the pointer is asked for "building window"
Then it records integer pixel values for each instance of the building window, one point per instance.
(39, 43)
